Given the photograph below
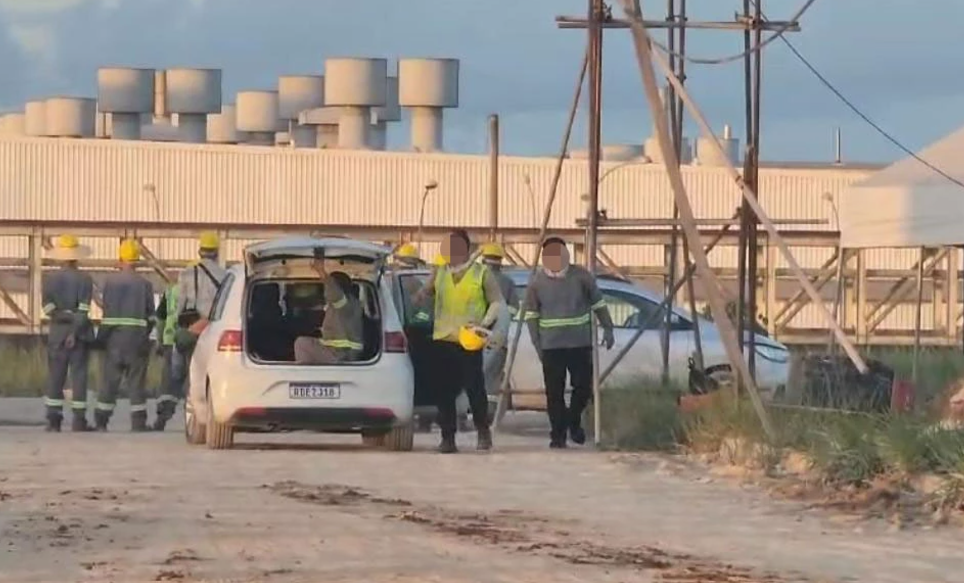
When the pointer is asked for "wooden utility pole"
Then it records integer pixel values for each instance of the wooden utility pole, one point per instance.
(493, 176)
(596, 16)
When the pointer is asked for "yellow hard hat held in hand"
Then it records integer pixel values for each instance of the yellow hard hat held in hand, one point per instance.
(129, 251)
(473, 338)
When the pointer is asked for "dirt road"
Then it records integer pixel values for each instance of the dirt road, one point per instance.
(122, 507)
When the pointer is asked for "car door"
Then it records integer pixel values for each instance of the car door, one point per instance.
(630, 310)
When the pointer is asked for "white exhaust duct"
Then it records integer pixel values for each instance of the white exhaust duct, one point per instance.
(193, 94)
(296, 94)
(325, 122)
(257, 116)
(35, 118)
(125, 94)
(706, 154)
(426, 86)
(381, 116)
(223, 127)
(71, 117)
(355, 85)
(160, 109)
(13, 124)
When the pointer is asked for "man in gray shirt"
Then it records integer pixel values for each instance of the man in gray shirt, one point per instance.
(560, 302)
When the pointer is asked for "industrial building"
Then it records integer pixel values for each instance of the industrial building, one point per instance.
(158, 153)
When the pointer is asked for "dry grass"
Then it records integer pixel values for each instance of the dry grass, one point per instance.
(24, 366)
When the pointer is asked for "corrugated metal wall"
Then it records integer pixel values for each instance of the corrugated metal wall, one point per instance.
(105, 180)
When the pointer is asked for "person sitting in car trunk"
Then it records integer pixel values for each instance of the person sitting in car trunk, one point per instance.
(342, 337)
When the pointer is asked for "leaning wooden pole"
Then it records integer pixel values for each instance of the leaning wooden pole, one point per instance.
(728, 335)
(546, 215)
(641, 40)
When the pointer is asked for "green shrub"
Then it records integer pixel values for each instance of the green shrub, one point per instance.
(640, 415)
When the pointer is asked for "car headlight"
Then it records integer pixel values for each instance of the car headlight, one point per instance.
(773, 353)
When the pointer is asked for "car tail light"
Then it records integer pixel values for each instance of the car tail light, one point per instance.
(230, 341)
(395, 342)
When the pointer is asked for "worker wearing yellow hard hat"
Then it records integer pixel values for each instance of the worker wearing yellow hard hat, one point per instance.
(197, 285)
(66, 297)
(407, 257)
(467, 298)
(124, 333)
(497, 353)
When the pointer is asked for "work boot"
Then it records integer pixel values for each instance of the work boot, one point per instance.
(484, 442)
(577, 434)
(53, 424)
(101, 418)
(558, 444)
(448, 445)
(139, 422)
(79, 423)
(159, 424)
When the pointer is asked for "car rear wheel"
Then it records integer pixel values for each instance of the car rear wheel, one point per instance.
(401, 438)
(194, 431)
(219, 435)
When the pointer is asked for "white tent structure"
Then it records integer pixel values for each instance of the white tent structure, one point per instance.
(908, 204)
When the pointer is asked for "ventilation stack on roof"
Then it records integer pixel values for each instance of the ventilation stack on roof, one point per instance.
(13, 124)
(124, 94)
(257, 116)
(193, 94)
(355, 85)
(296, 94)
(706, 154)
(160, 109)
(102, 124)
(426, 86)
(391, 111)
(71, 117)
(325, 122)
(223, 127)
(35, 118)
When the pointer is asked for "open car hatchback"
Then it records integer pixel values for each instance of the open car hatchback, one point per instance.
(244, 376)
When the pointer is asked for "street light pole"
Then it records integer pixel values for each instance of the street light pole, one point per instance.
(429, 187)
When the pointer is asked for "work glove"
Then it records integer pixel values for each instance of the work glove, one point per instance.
(608, 340)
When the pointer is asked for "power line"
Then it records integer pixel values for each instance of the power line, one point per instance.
(887, 135)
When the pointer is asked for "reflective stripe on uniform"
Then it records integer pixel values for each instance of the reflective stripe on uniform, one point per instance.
(124, 322)
(49, 308)
(83, 307)
(346, 344)
(54, 402)
(167, 399)
(138, 408)
(513, 310)
(564, 322)
(78, 405)
(421, 317)
(599, 305)
(105, 406)
(340, 303)
(532, 316)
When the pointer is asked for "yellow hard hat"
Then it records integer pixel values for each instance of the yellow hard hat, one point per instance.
(130, 251)
(440, 261)
(68, 242)
(493, 250)
(471, 339)
(209, 241)
(407, 251)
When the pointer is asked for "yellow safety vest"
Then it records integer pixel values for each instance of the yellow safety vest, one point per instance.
(458, 304)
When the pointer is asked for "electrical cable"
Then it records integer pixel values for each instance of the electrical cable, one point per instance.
(733, 58)
(890, 138)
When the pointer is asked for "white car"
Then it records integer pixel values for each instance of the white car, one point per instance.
(631, 306)
(243, 376)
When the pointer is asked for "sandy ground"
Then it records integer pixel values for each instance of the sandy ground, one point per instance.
(123, 507)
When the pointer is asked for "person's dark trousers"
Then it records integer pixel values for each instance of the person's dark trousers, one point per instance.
(459, 370)
(171, 390)
(555, 364)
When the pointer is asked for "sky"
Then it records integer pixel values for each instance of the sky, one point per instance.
(900, 66)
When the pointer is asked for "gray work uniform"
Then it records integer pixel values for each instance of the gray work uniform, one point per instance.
(559, 317)
(125, 330)
(66, 301)
(196, 290)
(496, 353)
(342, 337)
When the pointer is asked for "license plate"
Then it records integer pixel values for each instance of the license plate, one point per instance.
(314, 391)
